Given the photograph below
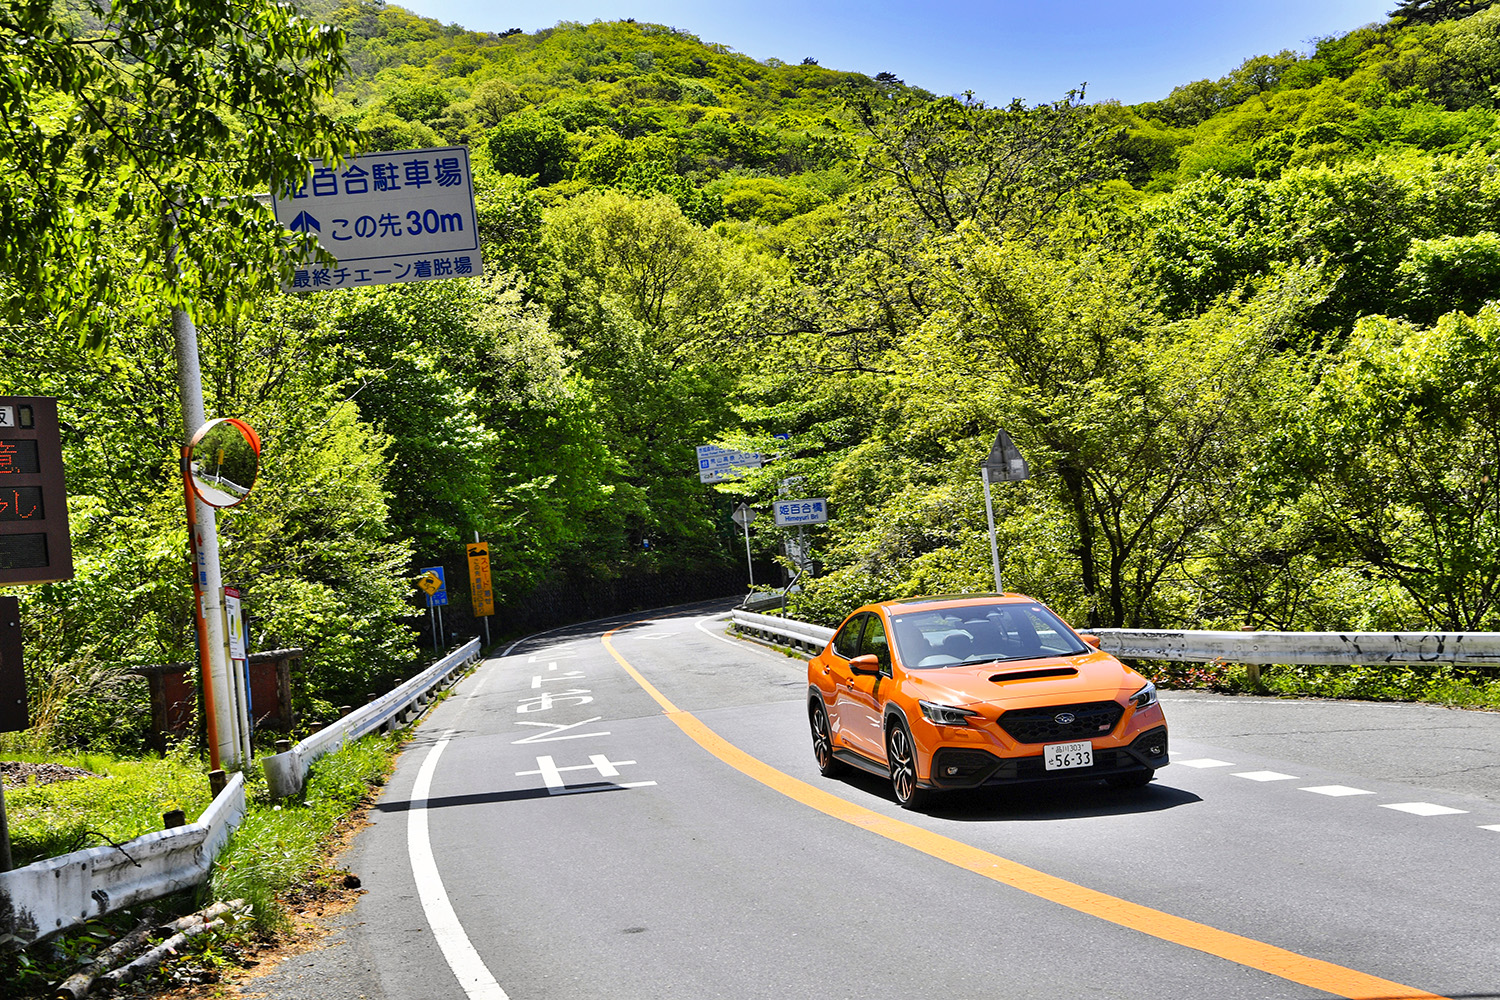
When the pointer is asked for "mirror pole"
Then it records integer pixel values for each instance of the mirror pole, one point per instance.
(225, 739)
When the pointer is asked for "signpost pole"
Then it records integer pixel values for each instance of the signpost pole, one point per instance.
(989, 513)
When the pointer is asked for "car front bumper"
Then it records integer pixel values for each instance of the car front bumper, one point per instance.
(966, 767)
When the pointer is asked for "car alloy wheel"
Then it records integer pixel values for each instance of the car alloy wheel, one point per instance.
(903, 759)
(828, 764)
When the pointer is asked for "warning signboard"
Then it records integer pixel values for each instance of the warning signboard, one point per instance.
(480, 589)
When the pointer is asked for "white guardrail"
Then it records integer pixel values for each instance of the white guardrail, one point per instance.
(52, 895)
(1255, 648)
(286, 772)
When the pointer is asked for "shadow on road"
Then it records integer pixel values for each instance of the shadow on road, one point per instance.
(1077, 800)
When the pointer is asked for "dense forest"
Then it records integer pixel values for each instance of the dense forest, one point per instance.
(1241, 334)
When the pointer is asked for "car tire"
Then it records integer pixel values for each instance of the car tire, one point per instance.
(901, 752)
(822, 736)
(1135, 779)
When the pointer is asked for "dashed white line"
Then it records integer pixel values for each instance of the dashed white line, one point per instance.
(1266, 776)
(1422, 808)
(1204, 762)
(1495, 827)
(1337, 791)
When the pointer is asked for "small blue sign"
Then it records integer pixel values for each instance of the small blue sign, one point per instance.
(440, 598)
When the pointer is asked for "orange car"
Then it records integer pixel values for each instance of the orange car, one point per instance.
(981, 689)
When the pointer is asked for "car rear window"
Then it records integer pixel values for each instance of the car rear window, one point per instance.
(981, 634)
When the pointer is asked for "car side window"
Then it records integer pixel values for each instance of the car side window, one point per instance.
(846, 643)
(875, 641)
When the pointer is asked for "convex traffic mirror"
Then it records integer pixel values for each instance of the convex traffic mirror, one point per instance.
(223, 458)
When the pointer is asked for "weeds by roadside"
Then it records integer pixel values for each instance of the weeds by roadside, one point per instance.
(279, 854)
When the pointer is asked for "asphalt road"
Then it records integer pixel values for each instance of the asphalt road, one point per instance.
(639, 816)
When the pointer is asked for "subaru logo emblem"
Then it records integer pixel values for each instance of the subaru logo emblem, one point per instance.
(1065, 718)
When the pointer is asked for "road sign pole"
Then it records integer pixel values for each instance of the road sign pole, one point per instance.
(749, 562)
(989, 513)
(221, 712)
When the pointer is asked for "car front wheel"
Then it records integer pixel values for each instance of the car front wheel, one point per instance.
(902, 754)
(822, 737)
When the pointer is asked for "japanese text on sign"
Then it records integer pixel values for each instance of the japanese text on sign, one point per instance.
(791, 512)
(387, 217)
(715, 464)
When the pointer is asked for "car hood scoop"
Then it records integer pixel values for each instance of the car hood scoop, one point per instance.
(1034, 673)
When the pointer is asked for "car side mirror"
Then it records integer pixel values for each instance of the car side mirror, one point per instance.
(1090, 640)
(866, 664)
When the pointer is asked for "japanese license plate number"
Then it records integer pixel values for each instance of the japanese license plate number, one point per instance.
(1059, 756)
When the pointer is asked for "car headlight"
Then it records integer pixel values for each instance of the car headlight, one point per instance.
(945, 715)
(1145, 697)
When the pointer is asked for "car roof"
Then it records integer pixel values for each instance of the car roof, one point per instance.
(939, 601)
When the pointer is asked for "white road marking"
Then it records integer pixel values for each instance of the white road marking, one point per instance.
(1422, 808)
(556, 728)
(737, 643)
(552, 775)
(536, 681)
(1336, 791)
(1266, 776)
(1203, 762)
(1496, 828)
(473, 975)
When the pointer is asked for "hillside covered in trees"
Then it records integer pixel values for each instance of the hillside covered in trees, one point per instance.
(1242, 335)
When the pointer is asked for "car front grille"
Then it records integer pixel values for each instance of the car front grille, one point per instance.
(1042, 725)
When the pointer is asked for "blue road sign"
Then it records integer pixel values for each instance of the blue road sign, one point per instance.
(439, 598)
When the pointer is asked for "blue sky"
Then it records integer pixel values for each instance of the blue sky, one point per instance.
(1000, 49)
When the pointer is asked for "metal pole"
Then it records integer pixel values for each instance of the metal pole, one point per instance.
(206, 672)
(989, 513)
(749, 563)
(442, 632)
(432, 621)
(225, 739)
(5, 859)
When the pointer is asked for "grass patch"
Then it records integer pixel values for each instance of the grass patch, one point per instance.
(128, 801)
(282, 843)
(280, 849)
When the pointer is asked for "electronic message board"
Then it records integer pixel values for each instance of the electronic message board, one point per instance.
(35, 546)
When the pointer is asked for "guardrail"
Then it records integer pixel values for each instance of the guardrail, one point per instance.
(286, 772)
(50, 896)
(53, 895)
(1203, 646)
(1338, 648)
(790, 631)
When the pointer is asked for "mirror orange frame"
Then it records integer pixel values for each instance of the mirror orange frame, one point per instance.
(251, 438)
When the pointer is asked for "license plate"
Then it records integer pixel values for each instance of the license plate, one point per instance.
(1058, 756)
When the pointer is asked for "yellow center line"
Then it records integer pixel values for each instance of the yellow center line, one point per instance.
(1288, 965)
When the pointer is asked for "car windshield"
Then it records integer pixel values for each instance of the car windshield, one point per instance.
(981, 634)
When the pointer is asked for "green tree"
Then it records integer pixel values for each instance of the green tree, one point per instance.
(1396, 454)
(167, 114)
(529, 144)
